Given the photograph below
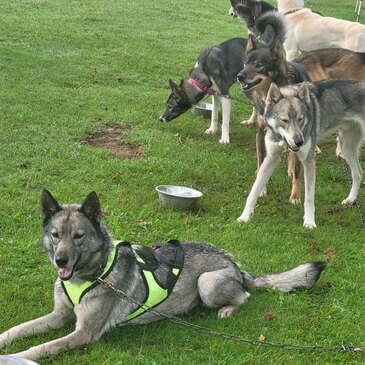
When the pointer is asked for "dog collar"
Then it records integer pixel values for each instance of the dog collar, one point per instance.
(292, 11)
(201, 86)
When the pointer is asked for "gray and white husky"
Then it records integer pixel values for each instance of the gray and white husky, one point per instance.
(81, 249)
(215, 71)
(299, 116)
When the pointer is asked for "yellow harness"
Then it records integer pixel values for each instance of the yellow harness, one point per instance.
(156, 292)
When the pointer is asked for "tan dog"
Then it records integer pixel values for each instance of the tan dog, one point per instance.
(309, 31)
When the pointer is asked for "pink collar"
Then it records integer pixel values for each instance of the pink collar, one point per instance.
(201, 86)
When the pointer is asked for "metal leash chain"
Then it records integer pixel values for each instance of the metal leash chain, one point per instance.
(342, 349)
(360, 211)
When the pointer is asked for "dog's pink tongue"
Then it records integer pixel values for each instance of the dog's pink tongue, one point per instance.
(64, 273)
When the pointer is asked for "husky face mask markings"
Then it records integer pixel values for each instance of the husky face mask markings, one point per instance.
(299, 116)
(177, 103)
(81, 249)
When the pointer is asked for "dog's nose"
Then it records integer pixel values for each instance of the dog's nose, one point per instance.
(61, 259)
(240, 78)
(298, 140)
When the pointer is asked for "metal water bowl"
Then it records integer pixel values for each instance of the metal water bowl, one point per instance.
(204, 109)
(178, 197)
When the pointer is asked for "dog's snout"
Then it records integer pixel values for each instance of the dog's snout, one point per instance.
(61, 259)
(240, 77)
(298, 140)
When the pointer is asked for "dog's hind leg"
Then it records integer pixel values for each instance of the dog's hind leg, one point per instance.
(214, 118)
(252, 118)
(226, 110)
(222, 289)
(295, 170)
(350, 143)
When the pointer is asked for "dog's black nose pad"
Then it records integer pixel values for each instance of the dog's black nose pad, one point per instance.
(61, 260)
(240, 77)
(298, 141)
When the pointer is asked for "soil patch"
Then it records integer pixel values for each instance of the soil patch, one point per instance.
(111, 137)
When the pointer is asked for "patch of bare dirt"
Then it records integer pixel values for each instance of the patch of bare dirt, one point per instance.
(111, 137)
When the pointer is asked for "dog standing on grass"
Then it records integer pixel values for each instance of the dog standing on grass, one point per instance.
(81, 249)
(215, 71)
(308, 31)
(298, 117)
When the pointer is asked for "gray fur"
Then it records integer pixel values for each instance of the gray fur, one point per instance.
(76, 234)
(299, 116)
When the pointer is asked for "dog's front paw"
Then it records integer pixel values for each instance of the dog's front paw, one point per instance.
(348, 201)
(244, 217)
(211, 130)
(263, 193)
(309, 224)
(224, 140)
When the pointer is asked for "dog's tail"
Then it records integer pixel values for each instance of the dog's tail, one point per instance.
(303, 276)
(271, 25)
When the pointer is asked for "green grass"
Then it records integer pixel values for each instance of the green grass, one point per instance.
(68, 68)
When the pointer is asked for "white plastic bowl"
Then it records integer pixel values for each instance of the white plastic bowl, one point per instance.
(178, 197)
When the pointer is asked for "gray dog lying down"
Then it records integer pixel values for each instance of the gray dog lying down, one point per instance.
(178, 277)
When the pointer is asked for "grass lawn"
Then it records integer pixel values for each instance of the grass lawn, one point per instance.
(73, 70)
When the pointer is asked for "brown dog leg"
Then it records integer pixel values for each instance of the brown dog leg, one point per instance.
(295, 170)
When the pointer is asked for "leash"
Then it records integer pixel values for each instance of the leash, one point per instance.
(285, 346)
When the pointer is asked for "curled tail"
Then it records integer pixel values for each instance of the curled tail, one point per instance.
(271, 25)
(302, 276)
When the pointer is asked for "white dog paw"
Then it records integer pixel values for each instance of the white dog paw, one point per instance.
(263, 193)
(210, 131)
(348, 201)
(224, 140)
(317, 150)
(226, 311)
(246, 122)
(309, 225)
(244, 217)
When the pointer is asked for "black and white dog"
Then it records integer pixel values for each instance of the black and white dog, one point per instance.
(215, 71)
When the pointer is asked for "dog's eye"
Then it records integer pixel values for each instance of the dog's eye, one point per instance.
(258, 66)
(284, 120)
(55, 235)
(79, 235)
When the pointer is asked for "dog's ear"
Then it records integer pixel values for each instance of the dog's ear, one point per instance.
(277, 53)
(303, 93)
(277, 50)
(92, 208)
(250, 46)
(49, 205)
(172, 85)
(174, 88)
(274, 95)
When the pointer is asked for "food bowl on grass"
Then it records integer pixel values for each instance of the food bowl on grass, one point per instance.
(178, 197)
(204, 109)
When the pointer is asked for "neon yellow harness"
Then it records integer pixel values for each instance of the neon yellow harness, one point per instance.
(156, 292)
